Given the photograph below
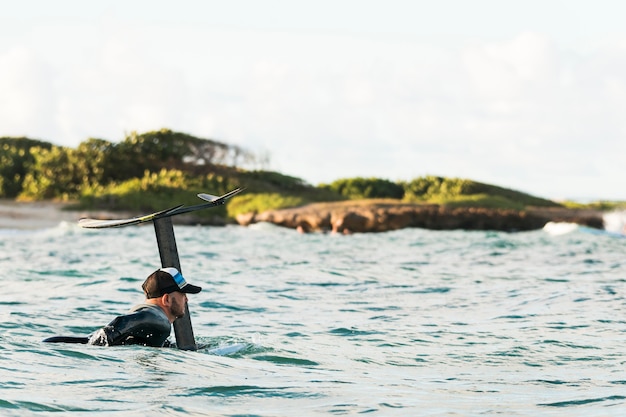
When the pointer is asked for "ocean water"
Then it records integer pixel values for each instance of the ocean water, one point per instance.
(405, 323)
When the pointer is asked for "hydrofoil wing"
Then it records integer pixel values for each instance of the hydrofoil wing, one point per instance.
(211, 201)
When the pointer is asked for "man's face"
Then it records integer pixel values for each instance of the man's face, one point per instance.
(178, 302)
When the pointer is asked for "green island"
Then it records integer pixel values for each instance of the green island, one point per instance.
(150, 171)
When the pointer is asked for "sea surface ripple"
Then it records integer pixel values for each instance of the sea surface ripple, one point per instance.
(411, 322)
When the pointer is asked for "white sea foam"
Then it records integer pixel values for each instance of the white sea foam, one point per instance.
(559, 228)
(615, 222)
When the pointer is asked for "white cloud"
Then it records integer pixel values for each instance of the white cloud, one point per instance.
(520, 112)
(27, 94)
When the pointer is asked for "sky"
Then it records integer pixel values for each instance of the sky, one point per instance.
(528, 95)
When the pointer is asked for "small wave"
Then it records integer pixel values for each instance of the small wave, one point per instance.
(573, 403)
(434, 290)
(47, 229)
(615, 222)
(228, 349)
(36, 407)
(285, 360)
(217, 306)
(227, 346)
(559, 228)
(248, 391)
(564, 228)
(342, 331)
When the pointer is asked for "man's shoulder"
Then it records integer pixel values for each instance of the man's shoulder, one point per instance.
(149, 308)
(143, 306)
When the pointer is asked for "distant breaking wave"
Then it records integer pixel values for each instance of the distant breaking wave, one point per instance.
(615, 222)
(614, 225)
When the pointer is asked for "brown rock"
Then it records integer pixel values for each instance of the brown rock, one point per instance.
(384, 215)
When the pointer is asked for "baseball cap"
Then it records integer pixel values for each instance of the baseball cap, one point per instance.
(165, 281)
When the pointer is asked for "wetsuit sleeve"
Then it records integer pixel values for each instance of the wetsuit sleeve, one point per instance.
(138, 328)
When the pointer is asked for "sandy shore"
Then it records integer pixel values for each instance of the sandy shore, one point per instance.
(46, 214)
(36, 215)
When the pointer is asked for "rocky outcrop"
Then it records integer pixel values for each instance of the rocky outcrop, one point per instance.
(383, 215)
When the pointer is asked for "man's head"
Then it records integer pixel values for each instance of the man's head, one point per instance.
(166, 281)
(168, 289)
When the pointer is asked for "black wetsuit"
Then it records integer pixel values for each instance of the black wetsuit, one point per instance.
(145, 324)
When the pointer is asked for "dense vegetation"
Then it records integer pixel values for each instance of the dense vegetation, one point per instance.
(145, 172)
(16, 159)
(153, 170)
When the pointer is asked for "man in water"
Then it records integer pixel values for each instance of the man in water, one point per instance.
(149, 323)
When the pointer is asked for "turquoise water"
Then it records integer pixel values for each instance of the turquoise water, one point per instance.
(412, 322)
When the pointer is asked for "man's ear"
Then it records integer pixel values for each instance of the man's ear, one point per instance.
(166, 299)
